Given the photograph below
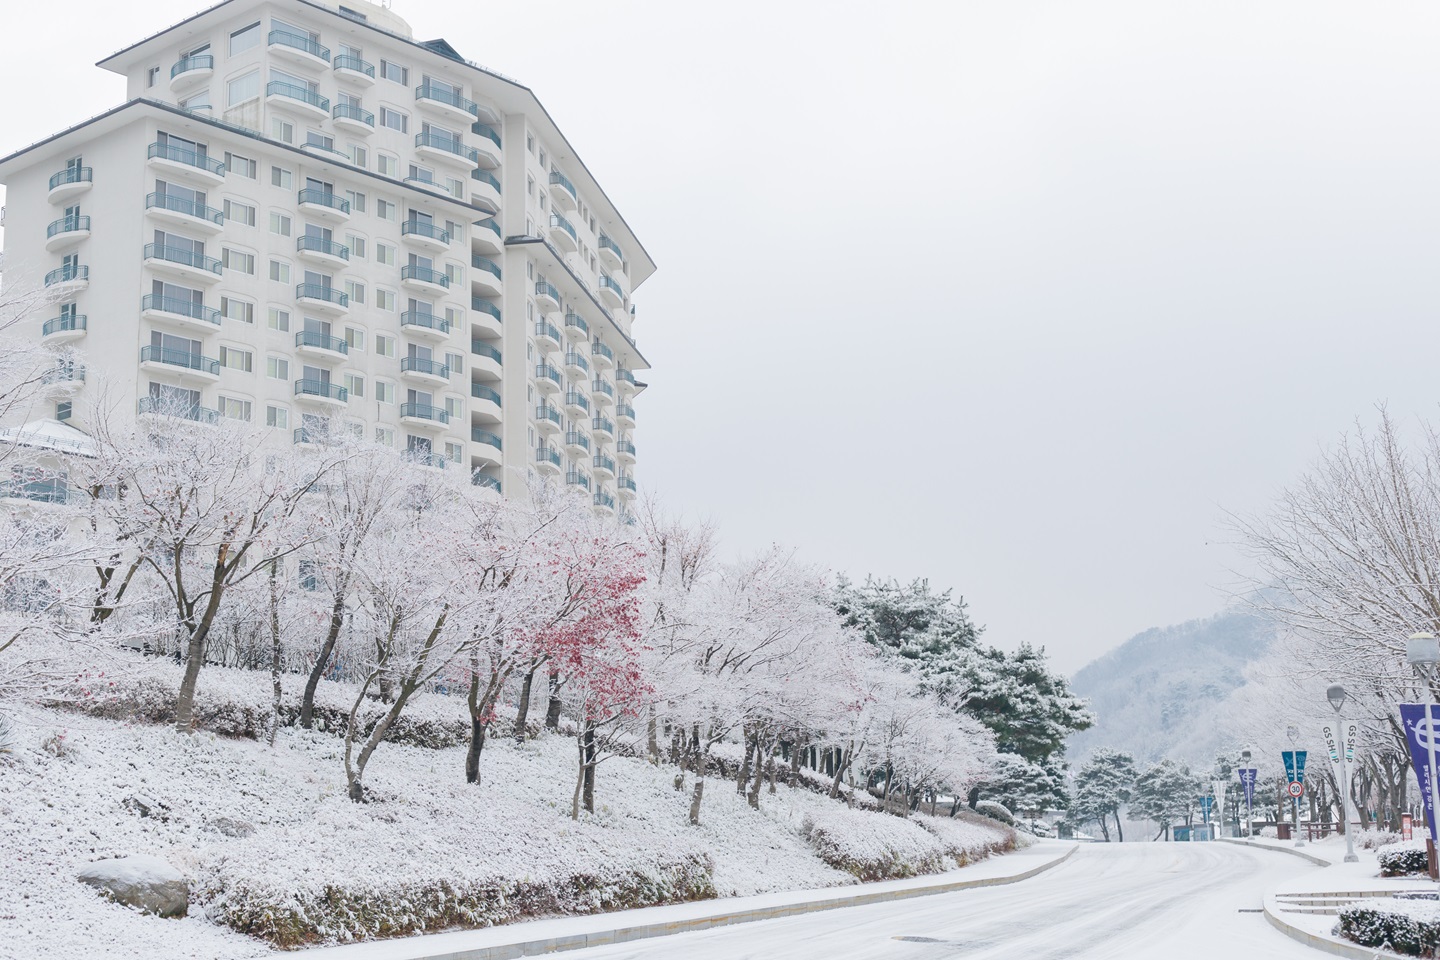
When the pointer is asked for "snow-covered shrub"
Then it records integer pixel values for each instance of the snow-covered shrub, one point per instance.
(1375, 839)
(968, 838)
(874, 846)
(1268, 833)
(1401, 859)
(995, 811)
(1409, 927)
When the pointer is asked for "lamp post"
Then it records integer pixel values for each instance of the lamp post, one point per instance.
(1337, 696)
(1249, 803)
(1422, 651)
(1293, 732)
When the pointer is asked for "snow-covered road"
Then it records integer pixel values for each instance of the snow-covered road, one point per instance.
(1136, 900)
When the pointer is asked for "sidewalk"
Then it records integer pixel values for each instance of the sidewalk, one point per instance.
(572, 933)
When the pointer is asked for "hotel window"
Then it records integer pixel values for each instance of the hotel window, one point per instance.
(277, 368)
(384, 392)
(233, 358)
(355, 384)
(233, 408)
(282, 130)
(241, 166)
(232, 309)
(394, 72)
(279, 319)
(357, 201)
(356, 243)
(246, 38)
(235, 260)
(243, 89)
(385, 436)
(279, 271)
(277, 417)
(384, 346)
(394, 119)
(279, 223)
(355, 339)
(241, 213)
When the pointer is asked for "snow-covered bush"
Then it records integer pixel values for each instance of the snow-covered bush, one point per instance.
(1409, 927)
(1375, 839)
(1402, 859)
(995, 811)
(968, 838)
(874, 846)
(1268, 833)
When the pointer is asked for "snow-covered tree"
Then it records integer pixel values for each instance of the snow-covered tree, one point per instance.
(1102, 786)
(1166, 794)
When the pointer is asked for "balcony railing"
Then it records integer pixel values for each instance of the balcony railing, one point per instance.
(559, 179)
(607, 244)
(574, 399)
(321, 388)
(482, 349)
(199, 61)
(321, 341)
(485, 176)
(315, 434)
(546, 289)
(577, 479)
(602, 425)
(67, 274)
(424, 275)
(623, 373)
(36, 488)
(347, 62)
(546, 455)
(481, 392)
(321, 245)
(544, 328)
(72, 175)
(425, 411)
(490, 225)
(485, 306)
(577, 439)
(426, 458)
(180, 358)
(544, 371)
(486, 264)
(577, 360)
(324, 198)
(182, 307)
(318, 291)
(625, 410)
(179, 154)
(625, 483)
(63, 324)
(439, 141)
(486, 131)
(481, 480)
(189, 208)
(600, 350)
(284, 38)
(420, 228)
(603, 499)
(607, 283)
(625, 446)
(172, 407)
(350, 111)
(602, 386)
(546, 412)
(183, 256)
(559, 222)
(484, 436)
(72, 224)
(421, 365)
(64, 372)
(430, 321)
(601, 462)
(578, 322)
(279, 88)
(428, 91)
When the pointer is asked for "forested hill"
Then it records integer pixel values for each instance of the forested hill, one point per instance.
(1158, 693)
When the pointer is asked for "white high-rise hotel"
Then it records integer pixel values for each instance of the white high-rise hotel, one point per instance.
(301, 212)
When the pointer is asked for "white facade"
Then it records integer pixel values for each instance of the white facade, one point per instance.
(302, 213)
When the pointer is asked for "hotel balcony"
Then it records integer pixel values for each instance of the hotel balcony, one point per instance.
(425, 235)
(626, 485)
(68, 280)
(187, 365)
(191, 72)
(446, 103)
(485, 403)
(425, 279)
(577, 366)
(324, 205)
(547, 298)
(184, 162)
(70, 182)
(64, 379)
(563, 235)
(318, 296)
(487, 445)
(327, 253)
(485, 481)
(487, 145)
(548, 378)
(445, 149)
(625, 415)
(604, 502)
(485, 277)
(602, 392)
(321, 346)
(547, 337)
(484, 318)
(170, 407)
(576, 326)
(577, 405)
(602, 465)
(182, 262)
(421, 370)
(299, 49)
(576, 478)
(187, 213)
(547, 418)
(485, 189)
(625, 451)
(486, 238)
(562, 191)
(66, 232)
(601, 356)
(603, 429)
(610, 291)
(348, 116)
(179, 312)
(485, 360)
(577, 445)
(427, 326)
(64, 328)
(610, 253)
(547, 461)
(301, 100)
(424, 415)
(354, 70)
(625, 380)
(322, 393)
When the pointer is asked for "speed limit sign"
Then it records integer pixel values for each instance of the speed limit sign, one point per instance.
(1296, 789)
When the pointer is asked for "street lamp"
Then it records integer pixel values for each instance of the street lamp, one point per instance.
(1249, 813)
(1422, 651)
(1293, 732)
(1337, 696)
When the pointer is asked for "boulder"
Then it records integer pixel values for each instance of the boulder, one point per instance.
(229, 827)
(146, 882)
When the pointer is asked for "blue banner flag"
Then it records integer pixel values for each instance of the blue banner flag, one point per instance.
(1294, 765)
(1205, 804)
(1247, 783)
(1417, 736)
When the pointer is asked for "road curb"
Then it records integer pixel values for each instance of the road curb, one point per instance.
(1334, 947)
(1263, 846)
(646, 931)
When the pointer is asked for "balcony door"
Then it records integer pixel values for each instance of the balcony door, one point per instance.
(176, 349)
(315, 374)
(165, 240)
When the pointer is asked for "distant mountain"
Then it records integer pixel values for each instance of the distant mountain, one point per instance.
(1159, 693)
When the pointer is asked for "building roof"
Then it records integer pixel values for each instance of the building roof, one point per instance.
(47, 434)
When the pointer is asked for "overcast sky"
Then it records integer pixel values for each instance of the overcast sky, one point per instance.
(1020, 297)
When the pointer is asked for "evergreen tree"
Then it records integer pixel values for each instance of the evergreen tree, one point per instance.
(1103, 786)
(1165, 794)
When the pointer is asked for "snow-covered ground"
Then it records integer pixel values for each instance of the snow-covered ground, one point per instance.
(271, 844)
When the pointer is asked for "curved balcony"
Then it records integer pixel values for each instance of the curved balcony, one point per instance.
(487, 145)
(602, 464)
(319, 250)
(66, 232)
(424, 458)
(188, 213)
(446, 103)
(70, 182)
(427, 325)
(576, 478)
(180, 313)
(626, 485)
(485, 481)
(184, 162)
(484, 318)
(625, 379)
(484, 189)
(323, 204)
(318, 296)
(63, 328)
(602, 392)
(322, 346)
(562, 191)
(610, 291)
(428, 184)
(610, 252)
(186, 364)
(321, 392)
(487, 446)
(548, 379)
(547, 298)
(563, 235)
(427, 279)
(603, 501)
(182, 262)
(547, 338)
(485, 403)
(625, 451)
(348, 116)
(485, 360)
(602, 356)
(191, 71)
(354, 70)
(301, 100)
(625, 415)
(485, 277)
(298, 49)
(603, 428)
(424, 415)
(171, 407)
(326, 153)
(486, 237)
(64, 281)
(426, 235)
(547, 418)
(576, 326)
(425, 371)
(65, 378)
(438, 146)
(577, 404)
(313, 435)
(577, 366)
(547, 461)
(577, 444)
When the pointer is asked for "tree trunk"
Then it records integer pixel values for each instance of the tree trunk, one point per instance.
(588, 754)
(1119, 830)
(579, 781)
(753, 797)
(840, 773)
(795, 755)
(742, 776)
(522, 709)
(652, 738)
(1104, 828)
(770, 771)
(275, 690)
(695, 795)
(327, 649)
(972, 798)
(552, 710)
(472, 752)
